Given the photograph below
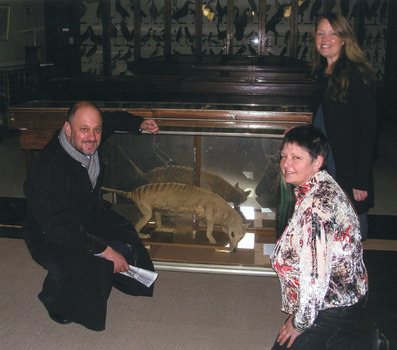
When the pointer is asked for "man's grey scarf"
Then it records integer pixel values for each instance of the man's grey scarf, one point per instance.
(91, 163)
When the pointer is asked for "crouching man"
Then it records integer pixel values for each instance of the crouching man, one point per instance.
(71, 231)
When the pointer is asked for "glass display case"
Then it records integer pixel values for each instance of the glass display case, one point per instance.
(238, 145)
(243, 159)
(242, 170)
(248, 165)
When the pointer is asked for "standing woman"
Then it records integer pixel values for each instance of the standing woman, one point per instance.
(347, 110)
(319, 257)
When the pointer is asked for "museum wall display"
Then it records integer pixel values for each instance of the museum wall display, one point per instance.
(238, 27)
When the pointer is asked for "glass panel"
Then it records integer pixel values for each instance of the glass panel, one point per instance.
(122, 36)
(91, 39)
(147, 152)
(214, 20)
(374, 41)
(152, 28)
(242, 170)
(182, 27)
(134, 161)
(245, 39)
(307, 14)
(277, 27)
(249, 165)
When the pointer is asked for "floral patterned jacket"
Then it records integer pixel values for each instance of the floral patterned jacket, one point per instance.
(319, 257)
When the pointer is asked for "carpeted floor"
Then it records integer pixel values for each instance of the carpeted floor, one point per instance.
(188, 311)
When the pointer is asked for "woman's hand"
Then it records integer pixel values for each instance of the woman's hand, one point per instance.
(287, 332)
(359, 195)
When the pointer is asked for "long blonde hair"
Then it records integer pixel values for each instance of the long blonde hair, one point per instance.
(351, 55)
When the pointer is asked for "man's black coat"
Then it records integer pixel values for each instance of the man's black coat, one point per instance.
(66, 216)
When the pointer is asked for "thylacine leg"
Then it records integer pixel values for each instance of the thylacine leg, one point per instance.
(210, 227)
(147, 213)
(159, 225)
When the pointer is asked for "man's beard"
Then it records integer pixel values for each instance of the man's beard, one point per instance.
(80, 148)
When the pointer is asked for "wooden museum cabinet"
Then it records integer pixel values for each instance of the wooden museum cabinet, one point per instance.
(227, 117)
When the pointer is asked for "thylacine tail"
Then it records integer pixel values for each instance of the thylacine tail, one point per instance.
(121, 193)
(139, 171)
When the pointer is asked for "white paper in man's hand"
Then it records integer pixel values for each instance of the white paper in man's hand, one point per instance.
(143, 276)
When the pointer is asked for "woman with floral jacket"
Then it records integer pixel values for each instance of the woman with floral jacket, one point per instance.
(319, 257)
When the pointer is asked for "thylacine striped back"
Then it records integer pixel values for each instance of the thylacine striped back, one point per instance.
(177, 173)
(174, 173)
(172, 187)
(184, 174)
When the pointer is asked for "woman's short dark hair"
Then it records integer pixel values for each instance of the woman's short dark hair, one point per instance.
(311, 139)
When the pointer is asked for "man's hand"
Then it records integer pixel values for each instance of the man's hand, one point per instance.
(150, 125)
(359, 195)
(120, 264)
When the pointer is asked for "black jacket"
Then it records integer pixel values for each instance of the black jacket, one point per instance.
(351, 130)
(64, 220)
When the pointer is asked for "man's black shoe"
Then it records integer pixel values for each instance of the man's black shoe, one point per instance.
(58, 318)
